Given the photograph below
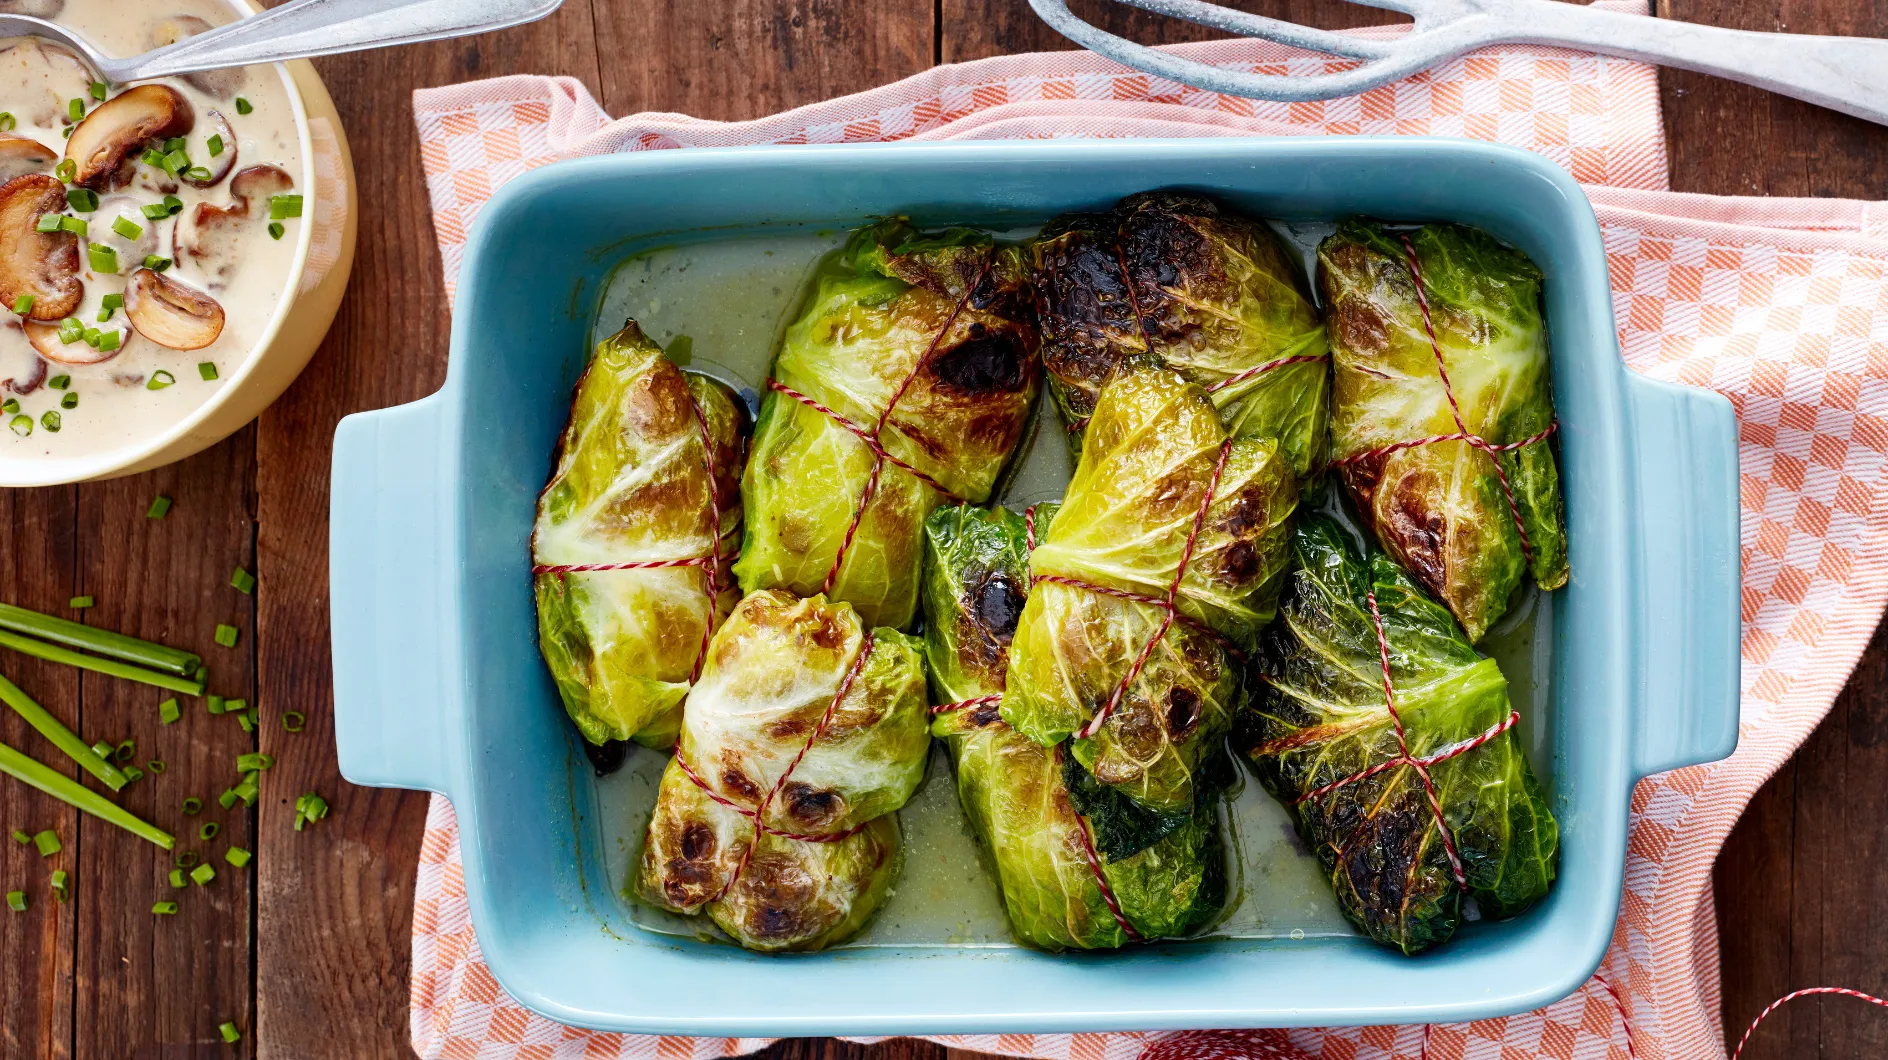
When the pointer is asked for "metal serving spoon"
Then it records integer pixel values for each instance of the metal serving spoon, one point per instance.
(296, 30)
(1849, 74)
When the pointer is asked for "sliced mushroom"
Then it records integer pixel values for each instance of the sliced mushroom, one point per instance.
(210, 237)
(22, 370)
(45, 339)
(41, 78)
(123, 124)
(42, 264)
(35, 8)
(170, 314)
(20, 155)
(219, 83)
(224, 161)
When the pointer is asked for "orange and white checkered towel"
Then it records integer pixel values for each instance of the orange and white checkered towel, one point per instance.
(1781, 305)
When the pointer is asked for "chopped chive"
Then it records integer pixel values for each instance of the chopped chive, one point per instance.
(215, 704)
(16, 901)
(99, 88)
(110, 340)
(91, 336)
(21, 425)
(22, 838)
(48, 222)
(226, 635)
(283, 207)
(113, 301)
(156, 765)
(103, 750)
(193, 806)
(47, 843)
(60, 885)
(246, 791)
(84, 200)
(103, 258)
(125, 751)
(75, 225)
(51, 420)
(176, 162)
(199, 174)
(168, 711)
(243, 581)
(243, 106)
(80, 603)
(237, 856)
(75, 109)
(160, 507)
(70, 400)
(156, 262)
(154, 211)
(110, 667)
(128, 228)
(203, 874)
(207, 370)
(61, 737)
(66, 170)
(293, 721)
(247, 720)
(185, 859)
(164, 908)
(78, 796)
(159, 380)
(10, 406)
(133, 774)
(8, 122)
(59, 382)
(23, 304)
(215, 144)
(226, 1028)
(173, 204)
(152, 157)
(309, 807)
(175, 143)
(276, 230)
(70, 330)
(208, 831)
(227, 800)
(253, 761)
(177, 879)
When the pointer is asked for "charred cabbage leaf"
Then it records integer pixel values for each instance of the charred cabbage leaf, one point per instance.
(1320, 716)
(773, 671)
(1210, 292)
(631, 484)
(1037, 811)
(1440, 508)
(950, 306)
(1150, 458)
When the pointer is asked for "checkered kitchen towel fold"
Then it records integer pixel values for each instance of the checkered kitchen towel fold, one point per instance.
(1780, 305)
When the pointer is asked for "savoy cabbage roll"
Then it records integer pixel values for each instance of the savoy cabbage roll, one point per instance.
(1441, 508)
(1153, 457)
(633, 483)
(1320, 716)
(815, 726)
(1054, 834)
(1212, 293)
(923, 341)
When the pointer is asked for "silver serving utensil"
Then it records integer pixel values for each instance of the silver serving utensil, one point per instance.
(298, 29)
(1848, 74)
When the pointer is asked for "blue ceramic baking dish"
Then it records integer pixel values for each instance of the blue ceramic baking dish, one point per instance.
(438, 684)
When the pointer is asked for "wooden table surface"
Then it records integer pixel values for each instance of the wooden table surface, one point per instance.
(307, 951)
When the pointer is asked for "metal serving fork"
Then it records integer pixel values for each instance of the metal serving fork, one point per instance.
(1849, 74)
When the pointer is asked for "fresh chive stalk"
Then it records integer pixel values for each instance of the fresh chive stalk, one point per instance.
(78, 796)
(63, 738)
(101, 641)
(110, 667)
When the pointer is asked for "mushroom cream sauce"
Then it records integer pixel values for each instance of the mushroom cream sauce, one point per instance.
(245, 270)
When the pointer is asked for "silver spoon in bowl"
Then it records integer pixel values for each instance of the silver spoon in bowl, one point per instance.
(298, 29)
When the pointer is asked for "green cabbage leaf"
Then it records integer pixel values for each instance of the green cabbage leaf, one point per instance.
(1440, 509)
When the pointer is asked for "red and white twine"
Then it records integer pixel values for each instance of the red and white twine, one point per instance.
(758, 814)
(711, 563)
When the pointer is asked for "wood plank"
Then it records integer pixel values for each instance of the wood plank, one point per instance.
(335, 902)
(738, 59)
(145, 979)
(977, 29)
(37, 570)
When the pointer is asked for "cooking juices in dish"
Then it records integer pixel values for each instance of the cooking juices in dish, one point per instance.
(147, 232)
(1102, 623)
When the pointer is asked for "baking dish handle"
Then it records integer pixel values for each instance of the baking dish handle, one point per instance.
(1689, 586)
(385, 527)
